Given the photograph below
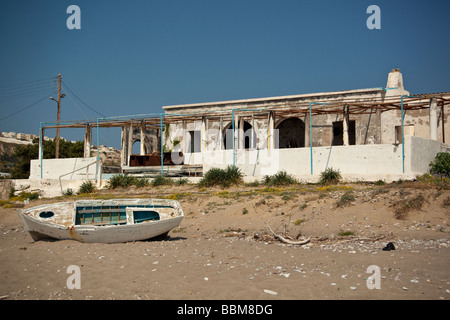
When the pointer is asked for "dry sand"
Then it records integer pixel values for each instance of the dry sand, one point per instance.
(221, 249)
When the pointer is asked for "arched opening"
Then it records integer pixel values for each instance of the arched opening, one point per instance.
(291, 134)
(248, 140)
(136, 148)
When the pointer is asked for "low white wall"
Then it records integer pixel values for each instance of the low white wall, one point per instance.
(419, 152)
(193, 158)
(363, 159)
(357, 162)
(54, 168)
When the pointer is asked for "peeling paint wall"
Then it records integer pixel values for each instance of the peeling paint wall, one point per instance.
(71, 168)
(419, 120)
(266, 129)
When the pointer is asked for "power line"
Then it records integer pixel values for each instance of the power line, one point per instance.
(25, 93)
(78, 107)
(27, 107)
(25, 83)
(25, 89)
(71, 92)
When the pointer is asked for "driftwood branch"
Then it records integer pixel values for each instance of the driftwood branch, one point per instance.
(283, 239)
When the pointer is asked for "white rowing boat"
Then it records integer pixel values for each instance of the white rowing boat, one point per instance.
(106, 221)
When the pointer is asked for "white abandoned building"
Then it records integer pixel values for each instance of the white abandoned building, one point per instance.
(363, 133)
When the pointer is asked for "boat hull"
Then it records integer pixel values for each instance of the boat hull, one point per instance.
(103, 234)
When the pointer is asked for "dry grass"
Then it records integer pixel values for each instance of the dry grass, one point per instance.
(446, 203)
(346, 199)
(403, 207)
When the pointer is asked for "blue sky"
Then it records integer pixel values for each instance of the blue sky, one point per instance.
(133, 57)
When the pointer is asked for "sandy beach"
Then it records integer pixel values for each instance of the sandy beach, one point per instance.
(223, 249)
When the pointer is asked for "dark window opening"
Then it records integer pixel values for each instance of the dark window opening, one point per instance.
(249, 137)
(291, 134)
(195, 141)
(338, 133)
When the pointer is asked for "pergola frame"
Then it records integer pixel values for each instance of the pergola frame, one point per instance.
(292, 109)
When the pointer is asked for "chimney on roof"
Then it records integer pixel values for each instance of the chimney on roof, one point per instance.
(394, 86)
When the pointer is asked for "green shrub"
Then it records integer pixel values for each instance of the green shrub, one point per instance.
(12, 190)
(441, 164)
(346, 199)
(86, 187)
(120, 180)
(181, 181)
(25, 196)
(141, 182)
(330, 176)
(346, 233)
(212, 177)
(68, 192)
(233, 175)
(255, 183)
(281, 178)
(161, 180)
(221, 177)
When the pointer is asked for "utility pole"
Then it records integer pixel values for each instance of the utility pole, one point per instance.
(58, 117)
(58, 101)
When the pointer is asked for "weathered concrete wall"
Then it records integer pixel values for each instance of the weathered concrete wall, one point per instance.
(419, 152)
(362, 160)
(47, 187)
(278, 102)
(418, 122)
(322, 131)
(50, 185)
(5, 189)
(357, 162)
(54, 168)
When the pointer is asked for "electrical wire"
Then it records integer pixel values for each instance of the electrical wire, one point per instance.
(26, 83)
(26, 89)
(77, 106)
(25, 108)
(71, 92)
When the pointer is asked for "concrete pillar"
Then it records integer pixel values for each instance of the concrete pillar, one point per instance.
(203, 135)
(253, 144)
(41, 144)
(345, 125)
(241, 138)
(87, 141)
(143, 130)
(433, 119)
(124, 146)
(236, 132)
(129, 144)
(270, 131)
(378, 123)
(221, 135)
(307, 137)
(186, 138)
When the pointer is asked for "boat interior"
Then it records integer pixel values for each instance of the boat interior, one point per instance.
(121, 214)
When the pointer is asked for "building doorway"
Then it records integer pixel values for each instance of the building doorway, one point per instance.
(291, 134)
